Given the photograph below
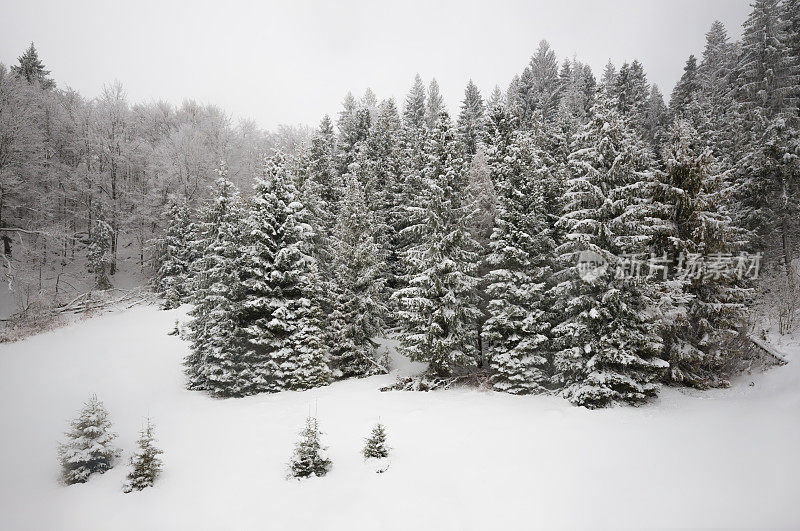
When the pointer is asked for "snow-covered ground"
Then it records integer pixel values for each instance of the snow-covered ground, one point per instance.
(462, 459)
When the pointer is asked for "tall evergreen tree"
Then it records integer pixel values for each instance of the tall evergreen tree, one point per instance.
(283, 328)
(632, 92)
(359, 307)
(32, 69)
(434, 104)
(768, 184)
(414, 108)
(790, 16)
(217, 362)
(608, 81)
(369, 101)
(470, 121)
(711, 302)
(539, 87)
(383, 165)
(713, 117)
(437, 308)
(414, 136)
(173, 278)
(769, 70)
(656, 116)
(322, 169)
(482, 195)
(380, 173)
(605, 347)
(496, 98)
(522, 245)
(685, 90)
(354, 124)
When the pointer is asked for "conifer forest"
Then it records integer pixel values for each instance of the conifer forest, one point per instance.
(576, 278)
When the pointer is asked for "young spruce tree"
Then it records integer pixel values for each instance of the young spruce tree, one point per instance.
(145, 463)
(310, 458)
(375, 447)
(89, 446)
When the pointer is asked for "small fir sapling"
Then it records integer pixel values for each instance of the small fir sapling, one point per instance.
(88, 448)
(145, 461)
(376, 444)
(310, 458)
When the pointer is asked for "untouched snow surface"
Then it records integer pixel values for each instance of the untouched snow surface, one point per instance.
(462, 459)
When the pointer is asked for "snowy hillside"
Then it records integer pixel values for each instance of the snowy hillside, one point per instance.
(461, 459)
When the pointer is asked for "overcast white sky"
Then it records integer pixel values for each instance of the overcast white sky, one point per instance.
(292, 62)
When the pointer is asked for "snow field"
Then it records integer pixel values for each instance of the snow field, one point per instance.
(461, 459)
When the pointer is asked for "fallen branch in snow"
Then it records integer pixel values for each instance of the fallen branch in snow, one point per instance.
(76, 305)
(66, 306)
(381, 368)
(427, 382)
(769, 349)
(24, 231)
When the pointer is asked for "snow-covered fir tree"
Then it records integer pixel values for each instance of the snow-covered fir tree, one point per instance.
(385, 163)
(470, 120)
(538, 88)
(434, 104)
(656, 116)
(767, 164)
(369, 101)
(482, 195)
(310, 456)
(769, 70)
(322, 171)
(173, 279)
(375, 447)
(631, 93)
(577, 97)
(89, 447)
(497, 97)
(145, 462)
(320, 214)
(714, 113)
(685, 90)
(353, 125)
(711, 303)
(408, 188)
(438, 307)
(263, 223)
(217, 361)
(790, 16)
(522, 244)
(282, 322)
(358, 308)
(414, 111)
(32, 69)
(606, 348)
